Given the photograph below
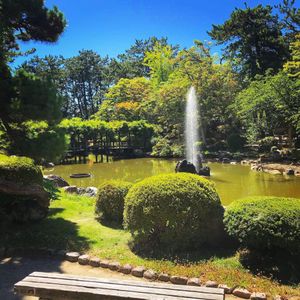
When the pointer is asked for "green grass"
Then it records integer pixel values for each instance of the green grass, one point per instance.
(71, 225)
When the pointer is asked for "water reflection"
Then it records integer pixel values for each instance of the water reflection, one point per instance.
(232, 181)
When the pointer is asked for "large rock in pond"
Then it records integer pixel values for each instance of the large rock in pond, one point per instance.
(22, 196)
(185, 166)
(56, 180)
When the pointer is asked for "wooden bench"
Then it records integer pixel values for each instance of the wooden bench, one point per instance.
(56, 286)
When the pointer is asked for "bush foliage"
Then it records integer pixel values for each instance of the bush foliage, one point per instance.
(21, 170)
(174, 211)
(265, 222)
(110, 201)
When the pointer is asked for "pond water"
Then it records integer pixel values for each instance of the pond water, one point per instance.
(232, 181)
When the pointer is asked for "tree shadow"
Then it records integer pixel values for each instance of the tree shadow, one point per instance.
(280, 265)
(110, 223)
(52, 232)
(14, 269)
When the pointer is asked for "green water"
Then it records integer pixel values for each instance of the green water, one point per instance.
(232, 181)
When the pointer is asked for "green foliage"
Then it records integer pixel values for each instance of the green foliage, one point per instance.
(253, 39)
(292, 67)
(265, 223)
(173, 211)
(21, 170)
(160, 61)
(235, 142)
(268, 104)
(110, 200)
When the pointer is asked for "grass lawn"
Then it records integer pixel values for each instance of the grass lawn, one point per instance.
(71, 225)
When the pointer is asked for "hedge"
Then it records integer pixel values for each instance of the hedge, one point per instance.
(173, 211)
(265, 222)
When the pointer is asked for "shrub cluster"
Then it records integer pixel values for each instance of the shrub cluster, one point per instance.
(265, 223)
(110, 200)
(22, 195)
(21, 170)
(173, 211)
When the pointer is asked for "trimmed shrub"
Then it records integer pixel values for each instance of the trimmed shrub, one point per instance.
(21, 170)
(22, 196)
(265, 223)
(173, 211)
(110, 200)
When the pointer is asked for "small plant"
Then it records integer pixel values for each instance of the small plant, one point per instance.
(173, 211)
(110, 200)
(265, 223)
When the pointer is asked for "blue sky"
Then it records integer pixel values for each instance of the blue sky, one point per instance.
(110, 26)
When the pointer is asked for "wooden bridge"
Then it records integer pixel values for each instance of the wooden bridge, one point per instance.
(102, 151)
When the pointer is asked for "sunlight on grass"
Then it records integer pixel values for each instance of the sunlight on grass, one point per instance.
(71, 225)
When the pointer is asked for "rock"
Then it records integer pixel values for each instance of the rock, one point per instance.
(28, 210)
(126, 269)
(242, 293)
(289, 172)
(179, 279)
(72, 256)
(57, 181)
(225, 160)
(185, 166)
(225, 287)
(233, 162)
(104, 263)
(258, 296)
(94, 262)
(83, 259)
(163, 277)
(91, 191)
(72, 189)
(211, 284)
(273, 172)
(150, 274)
(194, 281)
(114, 266)
(49, 165)
(138, 271)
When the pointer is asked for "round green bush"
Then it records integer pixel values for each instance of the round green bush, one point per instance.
(21, 170)
(265, 222)
(173, 211)
(110, 200)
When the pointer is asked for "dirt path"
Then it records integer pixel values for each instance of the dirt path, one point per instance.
(14, 269)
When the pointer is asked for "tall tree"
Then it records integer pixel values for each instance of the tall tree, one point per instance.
(131, 63)
(88, 79)
(253, 40)
(22, 21)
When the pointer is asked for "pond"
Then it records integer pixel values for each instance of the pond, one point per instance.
(232, 181)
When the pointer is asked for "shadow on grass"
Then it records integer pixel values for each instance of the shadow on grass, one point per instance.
(225, 249)
(277, 264)
(110, 224)
(52, 232)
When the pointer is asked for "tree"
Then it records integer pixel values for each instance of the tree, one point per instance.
(131, 63)
(23, 96)
(269, 106)
(126, 100)
(292, 67)
(161, 62)
(87, 79)
(253, 40)
(23, 21)
(51, 68)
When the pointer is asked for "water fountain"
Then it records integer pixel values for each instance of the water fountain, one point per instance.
(194, 159)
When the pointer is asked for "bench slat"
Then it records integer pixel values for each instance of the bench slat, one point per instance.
(124, 288)
(53, 291)
(132, 283)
